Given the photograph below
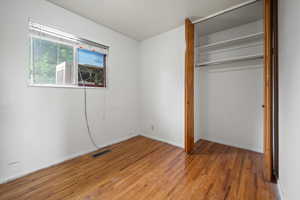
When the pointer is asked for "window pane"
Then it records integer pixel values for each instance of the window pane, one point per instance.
(92, 58)
(52, 63)
(91, 68)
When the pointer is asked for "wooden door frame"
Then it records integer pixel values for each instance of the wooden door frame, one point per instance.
(275, 92)
(189, 86)
(270, 88)
(269, 41)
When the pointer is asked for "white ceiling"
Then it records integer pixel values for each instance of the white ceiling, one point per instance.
(141, 19)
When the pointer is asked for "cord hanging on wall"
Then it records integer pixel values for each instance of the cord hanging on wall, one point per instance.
(85, 112)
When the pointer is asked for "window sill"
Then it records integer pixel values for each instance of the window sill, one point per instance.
(64, 86)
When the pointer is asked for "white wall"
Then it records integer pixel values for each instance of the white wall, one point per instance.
(43, 126)
(229, 101)
(289, 98)
(161, 86)
(228, 97)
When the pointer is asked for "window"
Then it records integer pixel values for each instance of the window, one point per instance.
(48, 58)
(61, 59)
(91, 67)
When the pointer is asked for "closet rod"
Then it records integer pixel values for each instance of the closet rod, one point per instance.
(224, 11)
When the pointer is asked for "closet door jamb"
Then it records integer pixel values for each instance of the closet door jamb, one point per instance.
(189, 86)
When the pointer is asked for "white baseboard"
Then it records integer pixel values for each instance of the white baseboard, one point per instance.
(280, 191)
(233, 145)
(163, 140)
(69, 157)
(208, 139)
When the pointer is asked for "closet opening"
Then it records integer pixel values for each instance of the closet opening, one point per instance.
(230, 80)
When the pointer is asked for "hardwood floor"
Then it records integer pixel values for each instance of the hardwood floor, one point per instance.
(141, 168)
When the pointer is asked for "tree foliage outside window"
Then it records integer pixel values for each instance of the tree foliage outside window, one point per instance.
(46, 55)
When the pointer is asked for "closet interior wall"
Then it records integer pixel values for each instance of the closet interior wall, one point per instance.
(229, 85)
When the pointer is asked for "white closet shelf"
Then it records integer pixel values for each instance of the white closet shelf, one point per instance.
(232, 42)
(229, 60)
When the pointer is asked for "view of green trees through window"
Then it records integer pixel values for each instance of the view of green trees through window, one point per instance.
(46, 55)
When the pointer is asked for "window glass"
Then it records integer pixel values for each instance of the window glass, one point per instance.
(92, 58)
(47, 59)
(91, 68)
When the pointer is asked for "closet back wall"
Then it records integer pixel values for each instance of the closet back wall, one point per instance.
(228, 97)
(43, 126)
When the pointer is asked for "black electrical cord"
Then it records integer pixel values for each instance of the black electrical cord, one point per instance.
(86, 115)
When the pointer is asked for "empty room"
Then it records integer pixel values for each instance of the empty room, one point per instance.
(149, 99)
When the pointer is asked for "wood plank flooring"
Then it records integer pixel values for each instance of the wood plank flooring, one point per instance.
(141, 168)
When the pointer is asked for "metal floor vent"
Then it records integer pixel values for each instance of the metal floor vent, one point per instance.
(101, 153)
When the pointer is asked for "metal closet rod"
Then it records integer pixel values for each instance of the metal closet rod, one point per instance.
(225, 11)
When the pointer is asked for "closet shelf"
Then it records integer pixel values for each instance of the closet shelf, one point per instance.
(229, 60)
(235, 41)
